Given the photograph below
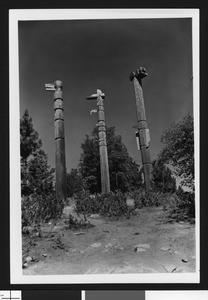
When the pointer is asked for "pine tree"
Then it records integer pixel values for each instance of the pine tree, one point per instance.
(40, 178)
(179, 149)
(29, 137)
(38, 195)
(75, 183)
(162, 177)
(124, 172)
(29, 144)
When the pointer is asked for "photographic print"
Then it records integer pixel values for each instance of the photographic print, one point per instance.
(104, 146)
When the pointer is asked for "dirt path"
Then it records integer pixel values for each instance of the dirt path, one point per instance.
(145, 243)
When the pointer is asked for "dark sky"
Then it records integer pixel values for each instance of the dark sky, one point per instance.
(91, 54)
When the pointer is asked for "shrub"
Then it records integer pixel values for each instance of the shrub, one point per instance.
(75, 224)
(180, 206)
(112, 204)
(143, 199)
(37, 208)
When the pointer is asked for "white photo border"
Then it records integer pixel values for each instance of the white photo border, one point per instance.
(16, 15)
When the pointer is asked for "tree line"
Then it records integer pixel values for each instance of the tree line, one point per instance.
(37, 177)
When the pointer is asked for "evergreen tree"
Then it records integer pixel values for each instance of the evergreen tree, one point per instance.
(29, 138)
(75, 183)
(124, 172)
(36, 174)
(40, 178)
(162, 177)
(38, 195)
(179, 149)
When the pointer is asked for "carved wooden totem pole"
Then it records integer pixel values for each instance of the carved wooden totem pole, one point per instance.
(60, 160)
(105, 180)
(142, 134)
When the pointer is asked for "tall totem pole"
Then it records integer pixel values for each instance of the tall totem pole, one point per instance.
(142, 133)
(105, 180)
(60, 160)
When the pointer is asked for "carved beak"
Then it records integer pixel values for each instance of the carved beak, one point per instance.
(49, 87)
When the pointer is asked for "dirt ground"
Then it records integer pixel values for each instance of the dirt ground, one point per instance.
(144, 243)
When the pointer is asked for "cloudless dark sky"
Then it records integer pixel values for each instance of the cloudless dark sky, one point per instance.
(91, 54)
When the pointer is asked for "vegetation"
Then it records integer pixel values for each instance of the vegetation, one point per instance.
(39, 201)
(37, 188)
(75, 224)
(179, 149)
(37, 208)
(180, 205)
(75, 183)
(163, 180)
(179, 152)
(124, 172)
(110, 205)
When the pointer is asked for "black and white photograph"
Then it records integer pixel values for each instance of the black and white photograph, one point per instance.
(104, 145)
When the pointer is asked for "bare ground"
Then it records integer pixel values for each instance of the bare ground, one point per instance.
(144, 243)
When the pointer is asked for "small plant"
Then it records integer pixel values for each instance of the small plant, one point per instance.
(143, 199)
(180, 205)
(58, 244)
(73, 223)
(111, 205)
(38, 208)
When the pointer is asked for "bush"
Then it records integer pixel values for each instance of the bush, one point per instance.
(180, 206)
(111, 205)
(143, 199)
(75, 224)
(37, 208)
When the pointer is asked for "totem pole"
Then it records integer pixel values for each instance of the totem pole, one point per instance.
(105, 180)
(142, 134)
(60, 160)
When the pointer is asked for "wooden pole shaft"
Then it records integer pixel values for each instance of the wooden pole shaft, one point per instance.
(105, 180)
(142, 132)
(60, 160)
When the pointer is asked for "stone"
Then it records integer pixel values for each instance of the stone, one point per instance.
(119, 247)
(27, 229)
(165, 248)
(145, 246)
(130, 202)
(95, 245)
(94, 216)
(28, 259)
(178, 270)
(79, 233)
(105, 250)
(109, 245)
(170, 268)
(74, 250)
(44, 255)
(140, 249)
(185, 260)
